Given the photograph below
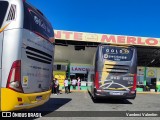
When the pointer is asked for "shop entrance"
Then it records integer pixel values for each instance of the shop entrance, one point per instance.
(82, 76)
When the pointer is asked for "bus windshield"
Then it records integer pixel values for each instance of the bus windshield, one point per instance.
(3, 9)
(117, 53)
(37, 23)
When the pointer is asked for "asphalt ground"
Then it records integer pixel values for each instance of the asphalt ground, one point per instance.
(81, 103)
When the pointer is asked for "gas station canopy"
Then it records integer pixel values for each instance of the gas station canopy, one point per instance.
(148, 48)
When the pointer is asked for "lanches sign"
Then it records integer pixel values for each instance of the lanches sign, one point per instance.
(81, 69)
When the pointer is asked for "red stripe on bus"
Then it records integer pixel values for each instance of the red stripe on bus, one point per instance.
(97, 80)
(134, 82)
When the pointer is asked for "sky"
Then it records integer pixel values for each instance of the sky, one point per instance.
(118, 17)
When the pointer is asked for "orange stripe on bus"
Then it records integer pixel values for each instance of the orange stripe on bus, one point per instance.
(2, 29)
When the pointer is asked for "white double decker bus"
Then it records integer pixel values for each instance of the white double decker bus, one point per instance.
(26, 56)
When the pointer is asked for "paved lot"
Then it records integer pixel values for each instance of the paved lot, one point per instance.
(81, 101)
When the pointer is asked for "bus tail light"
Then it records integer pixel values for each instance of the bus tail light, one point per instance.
(14, 78)
(134, 82)
(97, 80)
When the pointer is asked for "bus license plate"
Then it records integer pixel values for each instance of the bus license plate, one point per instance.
(115, 93)
(38, 98)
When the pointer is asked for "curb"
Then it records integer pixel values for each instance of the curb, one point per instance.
(76, 90)
(156, 93)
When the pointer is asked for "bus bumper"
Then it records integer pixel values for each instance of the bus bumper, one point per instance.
(11, 100)
(114, 94)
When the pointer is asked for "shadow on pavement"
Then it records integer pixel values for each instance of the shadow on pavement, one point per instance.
(112, 101)
(109, 100)
(52, 105)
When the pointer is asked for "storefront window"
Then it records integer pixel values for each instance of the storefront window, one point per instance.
(140, 76)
